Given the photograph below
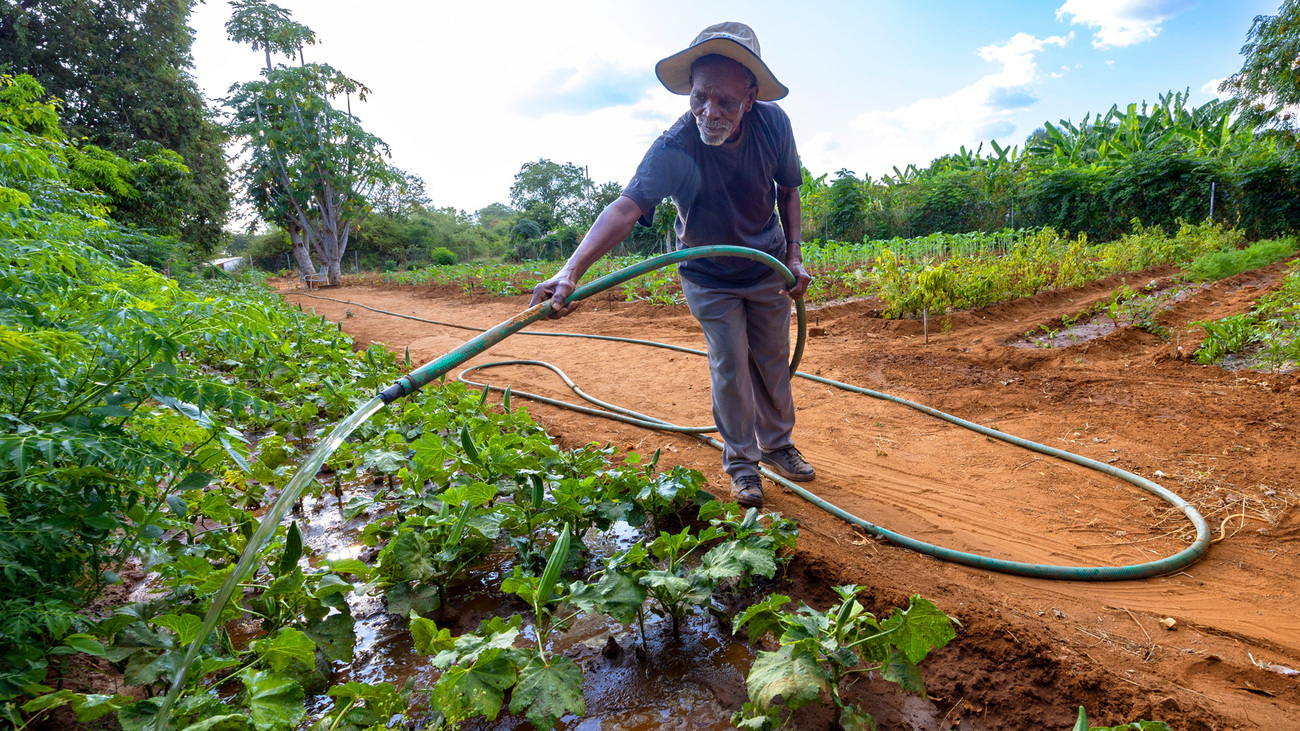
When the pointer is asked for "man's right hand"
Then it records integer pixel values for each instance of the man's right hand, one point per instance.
(612, 226)
(556, 289)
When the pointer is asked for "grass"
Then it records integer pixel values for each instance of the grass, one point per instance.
(1217, 265)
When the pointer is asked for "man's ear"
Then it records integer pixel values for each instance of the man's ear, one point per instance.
(753, 96)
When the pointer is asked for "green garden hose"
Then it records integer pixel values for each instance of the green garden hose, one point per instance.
(435, 369)
(412, 381)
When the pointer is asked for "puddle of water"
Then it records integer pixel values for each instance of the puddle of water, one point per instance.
(686, 683)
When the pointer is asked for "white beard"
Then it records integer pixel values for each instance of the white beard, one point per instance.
(715, 135)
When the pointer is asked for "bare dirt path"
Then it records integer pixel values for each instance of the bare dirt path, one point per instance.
(1030, 650)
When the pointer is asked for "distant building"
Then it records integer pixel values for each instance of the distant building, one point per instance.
(229, 263)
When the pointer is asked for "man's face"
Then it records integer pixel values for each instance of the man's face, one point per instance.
(720, 96)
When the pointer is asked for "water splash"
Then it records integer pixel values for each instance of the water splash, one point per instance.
(270, 521)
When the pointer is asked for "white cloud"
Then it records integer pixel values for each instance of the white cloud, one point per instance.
(1120, 23)
(928, 128)
(1211, 87)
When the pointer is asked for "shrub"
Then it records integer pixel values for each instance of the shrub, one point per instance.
(443, 256)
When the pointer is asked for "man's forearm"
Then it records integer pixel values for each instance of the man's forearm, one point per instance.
(788, 208)
(612, 226)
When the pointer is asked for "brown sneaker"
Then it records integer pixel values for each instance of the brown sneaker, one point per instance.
(748, 490)
(788, 463)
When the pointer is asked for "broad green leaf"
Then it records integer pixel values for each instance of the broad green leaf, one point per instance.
(334, 635)
(140, 716)
(899, 669)
(428, 639)
(806, 624)
(329, 585)
(406, 597)
(411, 552)
(789, 674)
(87, 707)
(148, 666)
(761, 618)
(286, 584)
(666, 580)
(186, 626)
(286, 647)
(275, 703)
(489, 639)
(755, 555)
(476, 493)
(84, 643)
(430, 453)
(848, 591)
(374, 704)
(486, 524)
(224, 722)
(211, 583)
(385, 461)
(478, 690)
(352, 566)
(856, 719)
(50, 700)
(615, 594)
(921, 628)
(178, 505)
(545, 692)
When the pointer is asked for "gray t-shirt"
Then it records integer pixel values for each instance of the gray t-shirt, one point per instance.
(724, 194)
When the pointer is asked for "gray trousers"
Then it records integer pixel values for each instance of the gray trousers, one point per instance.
(748, 334)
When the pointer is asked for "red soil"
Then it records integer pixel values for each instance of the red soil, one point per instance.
(1029, 651)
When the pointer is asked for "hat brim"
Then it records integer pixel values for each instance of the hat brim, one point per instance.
(674, 72)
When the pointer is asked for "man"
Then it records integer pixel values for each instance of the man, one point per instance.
(731, 167)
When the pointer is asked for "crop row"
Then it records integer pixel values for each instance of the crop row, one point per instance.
(1268, 335)
(179, 414)
(933, 273)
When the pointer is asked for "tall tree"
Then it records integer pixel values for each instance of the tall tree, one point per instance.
(311, 167)
(1267, 87)
(553, 195)
(121, 68)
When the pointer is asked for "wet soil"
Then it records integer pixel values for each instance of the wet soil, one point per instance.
(1029, 651)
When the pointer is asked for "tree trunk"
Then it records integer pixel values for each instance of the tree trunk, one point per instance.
(301, 253)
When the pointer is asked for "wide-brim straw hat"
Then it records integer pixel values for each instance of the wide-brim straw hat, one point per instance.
(736, 41)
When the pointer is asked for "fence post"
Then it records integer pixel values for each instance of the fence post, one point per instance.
(288, 262)
(1212, 186)
(356, 262)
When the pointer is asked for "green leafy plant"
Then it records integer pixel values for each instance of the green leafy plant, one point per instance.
(820, 650)
(1082, 725)
(480, 667)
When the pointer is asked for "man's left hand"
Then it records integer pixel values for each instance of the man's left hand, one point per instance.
(802, 280)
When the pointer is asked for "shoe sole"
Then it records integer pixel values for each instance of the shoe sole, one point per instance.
(791, 476)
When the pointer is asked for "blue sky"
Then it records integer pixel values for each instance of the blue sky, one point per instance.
(467, 92)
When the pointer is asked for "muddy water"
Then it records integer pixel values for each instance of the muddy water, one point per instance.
(1100, 325)
(692, 682)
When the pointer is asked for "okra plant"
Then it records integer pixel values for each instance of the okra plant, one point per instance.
(819, 651)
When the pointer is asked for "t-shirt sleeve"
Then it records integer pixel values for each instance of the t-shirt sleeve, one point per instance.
(789, 173)
(664, 172)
